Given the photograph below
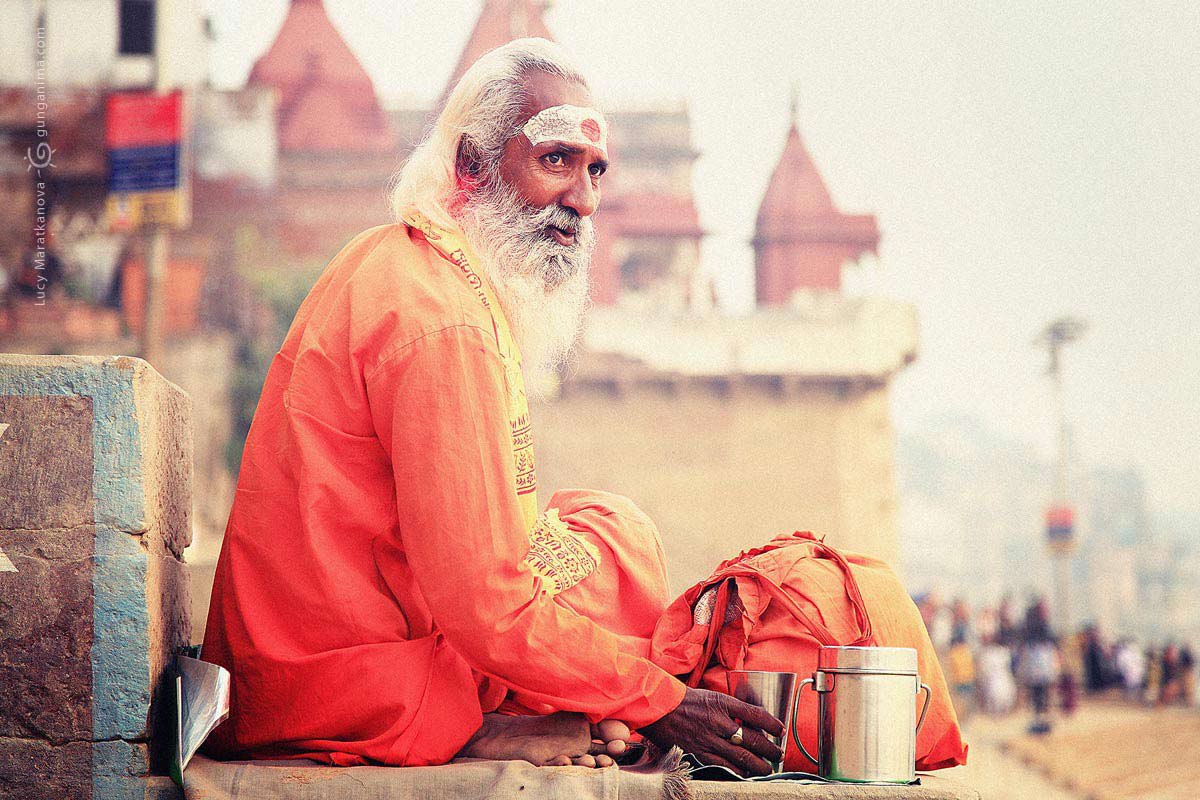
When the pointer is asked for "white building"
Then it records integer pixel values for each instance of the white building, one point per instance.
(117, 43)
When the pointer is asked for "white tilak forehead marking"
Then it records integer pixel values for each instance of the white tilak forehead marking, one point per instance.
(572, 124)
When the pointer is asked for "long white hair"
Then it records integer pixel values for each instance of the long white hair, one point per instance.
(480, 116)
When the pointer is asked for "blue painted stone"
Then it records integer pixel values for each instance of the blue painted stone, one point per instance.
(137, 419)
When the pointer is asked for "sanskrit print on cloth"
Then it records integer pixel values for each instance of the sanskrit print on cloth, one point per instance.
(625, 592)
(557, 556)
(455, 249)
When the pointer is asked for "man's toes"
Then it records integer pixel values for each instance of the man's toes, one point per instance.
(616, 747)
(611, 730)
(604, 761)
(585, 760)
(559, 761)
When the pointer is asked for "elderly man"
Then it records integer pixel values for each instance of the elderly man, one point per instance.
(388, 590)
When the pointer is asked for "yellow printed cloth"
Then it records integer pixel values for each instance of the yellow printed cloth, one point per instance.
(453, 246)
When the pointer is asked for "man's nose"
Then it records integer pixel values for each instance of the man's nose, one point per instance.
(582, 196)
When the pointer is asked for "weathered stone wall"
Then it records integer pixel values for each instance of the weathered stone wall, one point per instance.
(95, 511)
(202, 365)
(722, 465)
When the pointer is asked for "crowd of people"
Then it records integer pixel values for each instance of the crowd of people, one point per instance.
(1000, 658)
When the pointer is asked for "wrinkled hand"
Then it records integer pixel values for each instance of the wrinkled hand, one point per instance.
(703, 723)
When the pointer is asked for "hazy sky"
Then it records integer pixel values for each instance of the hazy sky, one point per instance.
(1025, 160)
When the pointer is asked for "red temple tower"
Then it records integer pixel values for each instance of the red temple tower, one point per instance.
(802, 240)
(326, 100)
(336, 146)
(500, 21)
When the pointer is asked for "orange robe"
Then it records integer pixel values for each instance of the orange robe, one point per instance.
(379, 587)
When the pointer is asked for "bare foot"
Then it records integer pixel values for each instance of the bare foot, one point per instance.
(552, 740)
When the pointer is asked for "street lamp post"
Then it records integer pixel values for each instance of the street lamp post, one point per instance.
(1060, 517)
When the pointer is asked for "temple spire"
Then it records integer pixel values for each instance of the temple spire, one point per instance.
(325, 99)
(500, 22)
(802, 240)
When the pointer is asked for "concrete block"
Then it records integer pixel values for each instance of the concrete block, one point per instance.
(95, 511)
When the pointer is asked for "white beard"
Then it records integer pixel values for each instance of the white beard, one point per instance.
(542, 285)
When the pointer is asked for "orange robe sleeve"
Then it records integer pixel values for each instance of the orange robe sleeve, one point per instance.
(439, 406)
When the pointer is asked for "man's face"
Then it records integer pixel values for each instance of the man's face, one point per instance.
(528, 218)
(554, 172)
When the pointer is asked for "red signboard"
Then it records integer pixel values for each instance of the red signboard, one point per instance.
(1060, 527)
(137, 119)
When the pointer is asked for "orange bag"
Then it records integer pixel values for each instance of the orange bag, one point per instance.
(772, 607)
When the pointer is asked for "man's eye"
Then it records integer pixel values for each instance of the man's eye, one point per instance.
(554, 159)
(597, 170)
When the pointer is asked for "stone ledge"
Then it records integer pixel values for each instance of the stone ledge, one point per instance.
(473, 779)
(932, 788)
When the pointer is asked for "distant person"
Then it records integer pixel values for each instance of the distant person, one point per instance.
(987, 625)
(1153, 688)
(1037, 621)
(1010, 626)
(997, 686)
(1070, 654)
(1187, 676)
(941, 626)
(1038, 664)
(1095, 670)
(1172, 676)
(960, 663)
(1131, 663)
(963, 630)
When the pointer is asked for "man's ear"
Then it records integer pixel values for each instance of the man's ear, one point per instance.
(468, 161)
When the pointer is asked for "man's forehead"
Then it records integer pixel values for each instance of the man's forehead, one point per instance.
(557, 109)
(570, 124)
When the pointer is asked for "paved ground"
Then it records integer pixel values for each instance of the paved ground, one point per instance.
(1119, 752)
(1107, 751)
(997, 775)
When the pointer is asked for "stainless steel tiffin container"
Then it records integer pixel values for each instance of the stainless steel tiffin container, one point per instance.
(867, 722)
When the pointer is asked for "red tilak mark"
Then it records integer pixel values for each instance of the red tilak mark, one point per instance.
(590, 129)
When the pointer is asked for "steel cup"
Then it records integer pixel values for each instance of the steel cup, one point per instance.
(774, 692)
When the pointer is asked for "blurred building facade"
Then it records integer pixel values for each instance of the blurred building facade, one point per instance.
(111, 43)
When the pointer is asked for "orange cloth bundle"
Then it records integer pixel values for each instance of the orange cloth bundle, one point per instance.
(773, 607)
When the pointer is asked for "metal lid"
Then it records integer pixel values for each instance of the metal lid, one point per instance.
(893, 660)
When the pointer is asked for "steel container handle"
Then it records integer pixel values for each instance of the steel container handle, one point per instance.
(796, 718)
(925, 708)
